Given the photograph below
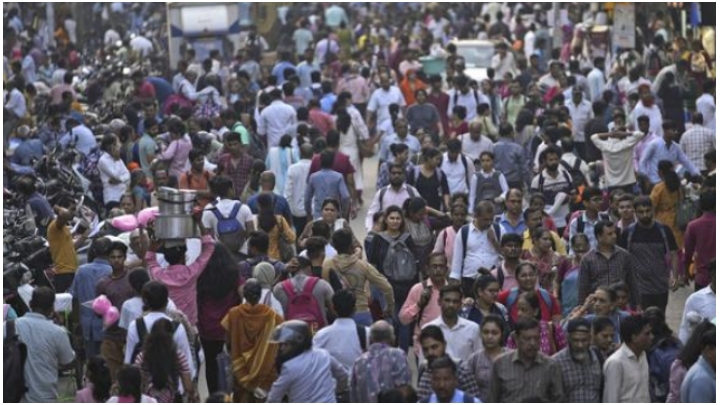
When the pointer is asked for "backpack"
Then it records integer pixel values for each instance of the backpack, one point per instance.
(660, 358)
(631, 231)
(384, 190)
(400, 264)
(578, 178)
(415, 175)
(515, 293)
(303, 305)
(581, 221)
(465, 232)
(14, 356)
(541, 180)
(142, 331)
(230, 231)
(654, 64)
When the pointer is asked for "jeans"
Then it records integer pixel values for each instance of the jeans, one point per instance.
(404, 332)
(363, 318)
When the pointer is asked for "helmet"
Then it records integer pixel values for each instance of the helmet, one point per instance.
(295, 332)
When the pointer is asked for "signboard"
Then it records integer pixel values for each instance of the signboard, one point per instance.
(623, 31)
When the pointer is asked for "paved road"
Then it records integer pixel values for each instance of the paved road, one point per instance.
(674, 313)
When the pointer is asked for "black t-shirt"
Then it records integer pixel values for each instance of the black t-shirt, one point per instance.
(649, 248)
(428, 188)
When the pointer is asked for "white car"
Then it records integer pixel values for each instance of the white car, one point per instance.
(477, 54)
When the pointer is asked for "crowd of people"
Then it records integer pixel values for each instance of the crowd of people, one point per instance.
(521, 243)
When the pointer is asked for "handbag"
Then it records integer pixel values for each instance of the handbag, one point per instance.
(365, 150)
(225, 372)
(287, 249)
(685, 211)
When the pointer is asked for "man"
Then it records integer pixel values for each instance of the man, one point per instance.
(510, 249)
(29, 150)
(258, 245)
(156, 300)
(267, 185)
(555, 184)
(706, 104)
(626, 209)
(341, 164)
(423, 301)
(383, 367)
(305, 374)
(445, 383)
(457, 167)
(283, 65)
(378, 109)
(463, 95)
(220, 212)
(665, 148)
(580, 114)
(401, 135)
(697, 141)
(394, 194)
(596, 79)
(303, 38)
(580, 366)
(699, 383)
(40, 208)
(510, 158)
(643, 125)
(57, 90)
(512, 219)
(627, 375)
(474, 143)
(116, 287)
(534, 219)
(78, 135)
(607, 264)
(434, 347)
(345, 340)
(525, 372)
(62, 246)
(423, 115)
(439, 99)
(48, 347)
(503, 62)
(585, 222)
(325, 184)
(476, 247)
(147, 146)
(617, 149)
(199, 179)
(276, 119)
(463, 336)
(83, 290)
(702, 302)
(700, 241)
(299, 278)
(295, 185)
(649, 244)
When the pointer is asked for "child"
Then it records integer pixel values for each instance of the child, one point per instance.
(488, 184)
(97, 382)
(130, 387)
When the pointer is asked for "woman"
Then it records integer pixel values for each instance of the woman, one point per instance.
(485, 303)
(524, 127)
(401, 154)
(113, 172)
(665, 197)
(278, 161)
(216, 295)
(349, 138)
(177, 152)
(129, 387)
(664, 350)
(162, 364)
(97, 382)
(687, 356)
(264, 273)
(127, 204)
(395, 230)
(565, 284)
(249, 327)
(457, 125)
(548, 262)
(603, 303)
(420, 230)
(253, 185)
(480, 363)
(552, 336)
(526, 275)
(274, 225)
(331, 216)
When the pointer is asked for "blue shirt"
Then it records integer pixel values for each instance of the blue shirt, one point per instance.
(327, 102)
(163, 89)
(699, 383)
(658, 150)
(27, 151)
(458, 398)
(280, 68)
(508, 227)
(322, 185)
(42, 211)
(412, 142)
(511, 161)
(281, 206)
(83, 289)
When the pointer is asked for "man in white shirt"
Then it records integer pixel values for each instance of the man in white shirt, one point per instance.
(378, 109)
(15, 103)
(276, 119)
(706, 105)
(596, 79)
(463, 95)
(474, 143)
(529, 42)
(222, 187)
(141, 45)
(335, 15)
(344, 339)
(457, 167)
(79, 135)
(627, 375)
(295, 183)
(702, 302)
(617, 149)
(479, 249)
(114, 174)
(462, 336)
(111, 37)
(394, 194)
(503, 61)
(580, 114)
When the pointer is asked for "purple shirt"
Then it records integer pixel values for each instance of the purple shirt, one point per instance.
(177, 153)
(640, 148)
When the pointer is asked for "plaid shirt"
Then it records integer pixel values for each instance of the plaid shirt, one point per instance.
(582, 381)
(695, 142)
(382, 367)
(466, 383)
(597, 270)
(238, 172)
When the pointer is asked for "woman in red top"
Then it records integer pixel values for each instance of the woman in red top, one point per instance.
(527, 277)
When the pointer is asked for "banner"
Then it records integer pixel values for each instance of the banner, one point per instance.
(623, 31)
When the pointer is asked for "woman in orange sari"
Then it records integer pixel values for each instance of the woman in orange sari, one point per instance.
(409, 85)
(249, 327)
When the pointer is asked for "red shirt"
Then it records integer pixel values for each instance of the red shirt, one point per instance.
(546, 313)
(146, 90)
(700, 242)
(341, 164)
(321, 120)
(441, 101)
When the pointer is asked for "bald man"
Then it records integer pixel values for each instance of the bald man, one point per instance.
(382, 367)
(267, 184)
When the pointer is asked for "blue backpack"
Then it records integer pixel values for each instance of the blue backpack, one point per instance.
(229, 230)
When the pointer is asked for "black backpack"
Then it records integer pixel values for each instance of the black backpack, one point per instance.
(142, 332)
(578, 178)
(14, 356)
